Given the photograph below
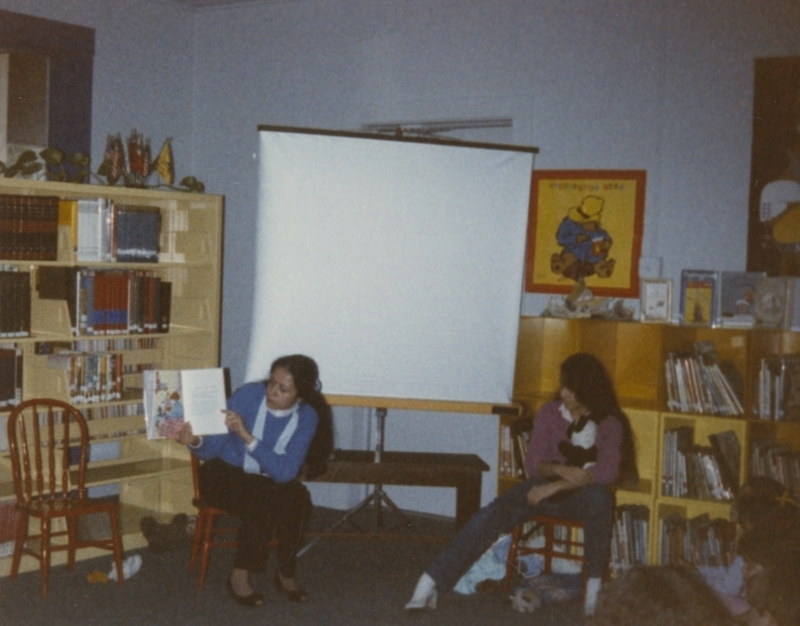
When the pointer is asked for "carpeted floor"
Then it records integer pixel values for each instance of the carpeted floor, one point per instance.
(354, 581)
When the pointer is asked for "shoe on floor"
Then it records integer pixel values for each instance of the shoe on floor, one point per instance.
(130, 566)
(424, 595)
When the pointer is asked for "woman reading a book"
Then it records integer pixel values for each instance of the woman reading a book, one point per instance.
(554, 487)
(277, 429)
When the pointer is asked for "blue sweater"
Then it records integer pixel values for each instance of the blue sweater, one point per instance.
(231, 448)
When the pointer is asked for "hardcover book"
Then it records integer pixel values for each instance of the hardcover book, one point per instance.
(174, 397)
(10, 377)
(728, 452)
(738, 298)
(774, 299)
(698, 297)
(28, 227)
(94, 230)
(136, 233)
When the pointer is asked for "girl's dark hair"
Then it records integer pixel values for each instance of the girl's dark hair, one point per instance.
(763, 500)
(770, 546)
(586, 377)
(775, 590)
(659, 595)
(305, 373)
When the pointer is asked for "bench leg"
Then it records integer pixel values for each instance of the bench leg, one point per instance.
(468, 498)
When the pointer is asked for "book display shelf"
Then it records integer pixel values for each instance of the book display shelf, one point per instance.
(635, 355)
(169, 318)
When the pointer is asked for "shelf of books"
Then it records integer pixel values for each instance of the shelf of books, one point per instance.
(708, 407)
(98, 285)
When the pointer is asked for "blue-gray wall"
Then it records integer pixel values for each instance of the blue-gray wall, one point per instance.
(663, 85)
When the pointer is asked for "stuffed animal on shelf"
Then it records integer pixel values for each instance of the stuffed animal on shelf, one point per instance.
(580, 450)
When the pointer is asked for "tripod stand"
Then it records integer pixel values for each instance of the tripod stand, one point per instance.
(378, 497)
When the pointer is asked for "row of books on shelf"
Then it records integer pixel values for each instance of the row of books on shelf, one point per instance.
(514, 439)
(700, 472)
(696, 384)
(10, 376)
(109, 301)
(15, 302)
(99, 229)
(28, 227)
(113, 411)
(629, 538)
(91, 377)
(776, 461)
(777, 388)
(698, 541)
(99, 344)
(739, 299)
(104, 230)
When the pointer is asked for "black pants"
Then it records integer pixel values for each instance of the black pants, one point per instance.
(264, 507)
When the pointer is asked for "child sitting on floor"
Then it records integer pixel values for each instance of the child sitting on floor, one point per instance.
(773, 598)
(768, 518)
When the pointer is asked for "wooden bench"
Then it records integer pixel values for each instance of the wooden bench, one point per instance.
(419, 469)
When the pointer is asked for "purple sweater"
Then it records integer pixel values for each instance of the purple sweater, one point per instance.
(550, 427)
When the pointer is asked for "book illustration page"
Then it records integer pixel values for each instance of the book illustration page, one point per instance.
(204, 400)
(164, 405)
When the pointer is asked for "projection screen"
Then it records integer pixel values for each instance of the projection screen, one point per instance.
(396, 264)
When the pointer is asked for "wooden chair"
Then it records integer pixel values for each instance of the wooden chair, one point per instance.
(49, 444)
(571, 548)
(206, 531)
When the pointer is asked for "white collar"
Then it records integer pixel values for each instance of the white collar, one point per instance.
(282, 412)
(565, 413)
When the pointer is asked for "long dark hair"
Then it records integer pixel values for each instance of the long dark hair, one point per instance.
(305, 372)
(586, 377)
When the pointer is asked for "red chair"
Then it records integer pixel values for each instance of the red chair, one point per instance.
(49, 444)
(570, 548)
(205, 531)
(207, 534)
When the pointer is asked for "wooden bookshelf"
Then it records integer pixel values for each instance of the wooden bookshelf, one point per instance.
(153, 477)
(634, 354)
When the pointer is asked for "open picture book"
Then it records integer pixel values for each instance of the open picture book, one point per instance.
(174, 397)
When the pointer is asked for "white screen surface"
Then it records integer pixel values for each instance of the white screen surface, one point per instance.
(396, 265)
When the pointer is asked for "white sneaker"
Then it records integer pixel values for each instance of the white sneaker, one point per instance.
(130, 566)
(590, 602)
(424, 595)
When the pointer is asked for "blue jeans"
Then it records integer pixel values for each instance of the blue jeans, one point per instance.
(592, 504)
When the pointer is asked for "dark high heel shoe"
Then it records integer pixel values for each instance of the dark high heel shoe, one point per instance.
(294, 595)
(251, 599)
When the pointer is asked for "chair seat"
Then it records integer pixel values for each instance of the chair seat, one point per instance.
(62, 507)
